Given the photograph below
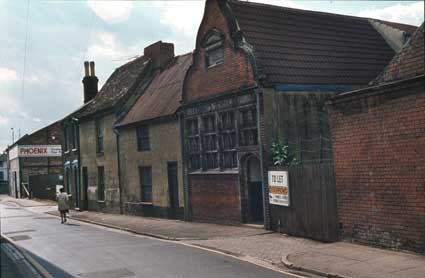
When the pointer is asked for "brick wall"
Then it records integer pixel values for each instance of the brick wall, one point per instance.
(215, 198)
(233, 74)
(379, 152)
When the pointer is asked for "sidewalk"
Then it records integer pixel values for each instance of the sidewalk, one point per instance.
(338, 259)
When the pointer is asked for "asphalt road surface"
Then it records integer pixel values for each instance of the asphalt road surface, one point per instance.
(82, 250)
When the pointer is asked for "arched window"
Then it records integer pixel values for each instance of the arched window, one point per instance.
(214, 48)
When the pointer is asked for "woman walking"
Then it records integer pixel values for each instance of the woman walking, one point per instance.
(63, 204)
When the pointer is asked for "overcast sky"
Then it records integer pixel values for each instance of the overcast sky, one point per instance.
(63, 34)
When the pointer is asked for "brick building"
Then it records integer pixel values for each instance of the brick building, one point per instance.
(35, 163)
(378, 136)
(260, 75)
(149, 142)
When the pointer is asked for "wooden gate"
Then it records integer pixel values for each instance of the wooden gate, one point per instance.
(312, 212)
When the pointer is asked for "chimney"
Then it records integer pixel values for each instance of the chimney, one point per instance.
(161, 53)
(89, 81)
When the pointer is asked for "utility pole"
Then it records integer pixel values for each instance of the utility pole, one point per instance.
(13, 135)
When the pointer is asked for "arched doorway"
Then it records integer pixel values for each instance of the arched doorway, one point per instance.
(253, 190)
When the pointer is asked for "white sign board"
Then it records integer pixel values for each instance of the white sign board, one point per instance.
(39, 151)
(278, 188)
(13, 153)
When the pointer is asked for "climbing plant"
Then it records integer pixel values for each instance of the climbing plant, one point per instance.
(281, 156)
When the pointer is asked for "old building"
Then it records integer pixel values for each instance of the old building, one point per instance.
(35, 163)
(260, 75)
(4, 188)
(97, 139)
(149, 142)
(378, 136)
(71, 142)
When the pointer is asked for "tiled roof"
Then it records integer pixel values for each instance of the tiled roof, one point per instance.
(116, 88)
(295, 46)
(409, 62)
(163, 95)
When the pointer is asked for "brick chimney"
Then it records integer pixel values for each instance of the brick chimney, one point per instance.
(89, 81)
(160, 53)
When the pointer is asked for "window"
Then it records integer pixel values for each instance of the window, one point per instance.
(99, 135)
(1, 174)
(248, 127)
(142, 138)
(214, 49)
(228, 140)
(209, 141)
(68, 179)
(1, 164)
(101, 183)
(193, 144)
(74, 136)
(145, 174)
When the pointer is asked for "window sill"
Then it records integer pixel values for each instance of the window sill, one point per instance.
(101, 201)
(215, 172)
(214, 65)
(74, 150)
(66, 152)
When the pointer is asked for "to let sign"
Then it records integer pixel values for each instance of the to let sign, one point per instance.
(278, 188)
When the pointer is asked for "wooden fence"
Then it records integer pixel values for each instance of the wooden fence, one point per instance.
(312, 212)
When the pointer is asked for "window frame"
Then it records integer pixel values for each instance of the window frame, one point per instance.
(143, 142)
(193, 137)
(145, 198)
(227, 132)
(99, 130)
(213, 41)
(248, 129)
(209, 155)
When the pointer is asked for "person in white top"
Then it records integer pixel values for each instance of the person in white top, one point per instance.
(63, 204)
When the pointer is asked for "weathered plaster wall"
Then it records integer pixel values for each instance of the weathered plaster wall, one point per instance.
(164, 147)
(92, 160)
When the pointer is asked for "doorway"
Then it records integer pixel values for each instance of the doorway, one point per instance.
(254, 187)
(173, 189)
(85, 189)
(76, 187)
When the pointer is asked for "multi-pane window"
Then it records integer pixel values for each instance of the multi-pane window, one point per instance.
(228, 139)
(193, 144)
(99, 135)
(214, 49)
(146, 183)
(248, 127)
(209, 142)
(142, 138)
(101, 183)
(1, 173)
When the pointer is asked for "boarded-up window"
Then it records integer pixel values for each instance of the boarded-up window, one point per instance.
(143, 138)
(146, 183)
(101, 183)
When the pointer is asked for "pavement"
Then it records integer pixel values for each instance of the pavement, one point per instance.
(310, 258)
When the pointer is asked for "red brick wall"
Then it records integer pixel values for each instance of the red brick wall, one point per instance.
(234, 73)
(379, 153)
(215, 198)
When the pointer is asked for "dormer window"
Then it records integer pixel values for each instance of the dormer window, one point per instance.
(214, 48)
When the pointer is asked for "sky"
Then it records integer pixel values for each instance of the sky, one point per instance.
(41, 65)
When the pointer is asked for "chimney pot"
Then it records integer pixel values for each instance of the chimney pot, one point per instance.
(92, 71)
(86, 68)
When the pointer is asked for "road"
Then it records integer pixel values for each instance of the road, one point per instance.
(83, 250)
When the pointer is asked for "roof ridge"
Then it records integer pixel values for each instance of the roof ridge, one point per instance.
(270, 6)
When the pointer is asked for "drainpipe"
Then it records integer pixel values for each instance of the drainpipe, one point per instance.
(258, 94)
(117, 133)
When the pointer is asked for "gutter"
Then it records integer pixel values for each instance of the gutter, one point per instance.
(117, 133)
